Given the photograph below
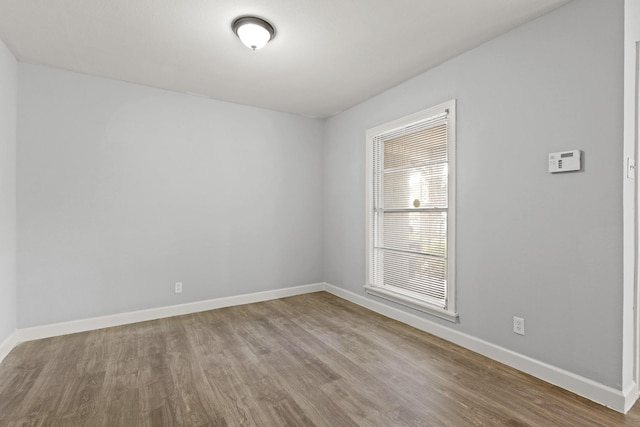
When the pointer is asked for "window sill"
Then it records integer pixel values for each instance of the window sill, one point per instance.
(412, 303)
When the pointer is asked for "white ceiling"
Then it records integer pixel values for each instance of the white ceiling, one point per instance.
(328, 55)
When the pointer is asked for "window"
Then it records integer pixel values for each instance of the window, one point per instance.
(411, 211)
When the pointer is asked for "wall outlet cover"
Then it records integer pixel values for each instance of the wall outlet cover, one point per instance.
(518, 325)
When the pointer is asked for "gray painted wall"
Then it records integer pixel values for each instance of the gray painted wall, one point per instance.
(124, 190)
(8, 94)
(544, 247)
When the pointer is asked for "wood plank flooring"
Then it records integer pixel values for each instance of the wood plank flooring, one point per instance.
(307, 360)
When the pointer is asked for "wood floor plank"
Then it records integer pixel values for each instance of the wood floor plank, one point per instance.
(357, 358)
(307, 391)
(309, 360)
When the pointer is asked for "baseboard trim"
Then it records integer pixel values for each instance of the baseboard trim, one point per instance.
(630, 397)
(7, 345)
(83, 325)
(618, 400)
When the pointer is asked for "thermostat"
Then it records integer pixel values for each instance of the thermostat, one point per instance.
(564, 161)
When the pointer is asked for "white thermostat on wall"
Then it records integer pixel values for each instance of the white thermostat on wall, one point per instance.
(564, 161)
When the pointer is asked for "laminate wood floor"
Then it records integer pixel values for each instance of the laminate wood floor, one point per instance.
(307, 360)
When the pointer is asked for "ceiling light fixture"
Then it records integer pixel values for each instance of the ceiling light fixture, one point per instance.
(253, 32)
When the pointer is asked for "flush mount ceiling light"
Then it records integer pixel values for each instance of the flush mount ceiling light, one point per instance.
(253, 32)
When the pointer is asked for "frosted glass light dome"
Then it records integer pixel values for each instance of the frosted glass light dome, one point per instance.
(253, 32)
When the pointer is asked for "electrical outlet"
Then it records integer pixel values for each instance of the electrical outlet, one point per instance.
(518, 325)
(178, 288)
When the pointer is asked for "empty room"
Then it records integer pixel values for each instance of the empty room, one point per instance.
(331, 213)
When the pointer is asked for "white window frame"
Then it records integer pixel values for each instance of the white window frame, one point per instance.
(449, 311)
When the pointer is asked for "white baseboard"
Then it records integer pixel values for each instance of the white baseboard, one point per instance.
(619, 400)
(630, 397)
(7, 345)
(64, 328)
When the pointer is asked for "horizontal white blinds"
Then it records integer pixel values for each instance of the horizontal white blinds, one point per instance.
(423, 146)
(416, 187)
(410, 210)
(417, 232)
(415, 275)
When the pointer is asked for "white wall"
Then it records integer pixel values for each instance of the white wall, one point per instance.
(544, 247)
(8, 87)
(124, 190)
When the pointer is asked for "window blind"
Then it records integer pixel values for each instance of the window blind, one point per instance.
(410, 198)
